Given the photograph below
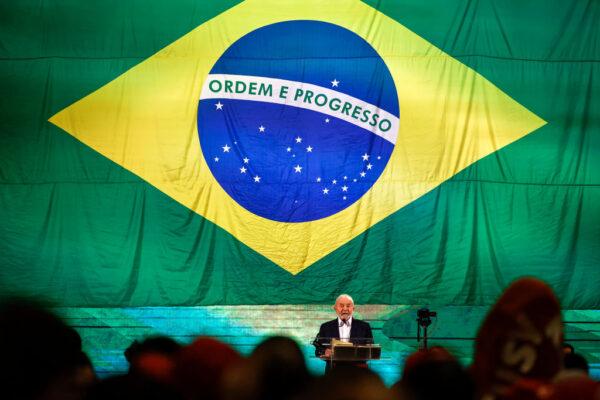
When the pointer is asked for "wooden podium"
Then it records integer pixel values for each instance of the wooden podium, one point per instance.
(346, 351)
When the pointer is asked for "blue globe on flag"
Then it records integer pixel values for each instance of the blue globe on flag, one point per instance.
(297, 120)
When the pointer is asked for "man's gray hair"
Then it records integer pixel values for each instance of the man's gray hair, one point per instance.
(342, 296)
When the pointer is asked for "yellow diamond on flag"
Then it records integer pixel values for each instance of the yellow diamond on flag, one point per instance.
(149, 121)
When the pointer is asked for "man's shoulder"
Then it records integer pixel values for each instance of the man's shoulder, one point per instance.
(360, 322)
(333, 322)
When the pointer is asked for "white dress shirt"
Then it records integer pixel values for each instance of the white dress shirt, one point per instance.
(345, 329)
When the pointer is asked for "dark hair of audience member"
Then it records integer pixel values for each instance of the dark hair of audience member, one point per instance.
(201, 368)
(575, 361)
(276, 370)
(434, 374)
(154, 344)
(153, 356)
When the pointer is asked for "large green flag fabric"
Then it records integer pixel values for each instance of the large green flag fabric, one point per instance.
(178, 153)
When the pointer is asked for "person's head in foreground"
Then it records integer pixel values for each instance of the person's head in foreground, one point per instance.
(520, 337)
(434, 374)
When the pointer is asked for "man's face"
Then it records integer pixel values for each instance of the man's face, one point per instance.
(344, 308)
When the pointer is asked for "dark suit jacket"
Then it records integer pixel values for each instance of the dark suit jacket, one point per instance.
(360, 333)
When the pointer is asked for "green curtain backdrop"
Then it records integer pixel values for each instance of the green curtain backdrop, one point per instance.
(83, 231)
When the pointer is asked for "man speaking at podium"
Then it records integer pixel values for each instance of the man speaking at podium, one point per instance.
(344, 328)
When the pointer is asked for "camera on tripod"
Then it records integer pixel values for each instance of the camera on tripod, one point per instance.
(424, 317)
(423, 321)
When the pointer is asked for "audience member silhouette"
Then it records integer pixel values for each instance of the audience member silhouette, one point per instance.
(201, 368)
(132, 387)
(153, 358)
(520, 338)
(276, 370)
(575, 361)
(434, 374)
(154, 345)
(347, 382)
(41, 357)
(567, 348)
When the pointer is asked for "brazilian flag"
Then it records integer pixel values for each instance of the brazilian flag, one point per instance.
(243, 163)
